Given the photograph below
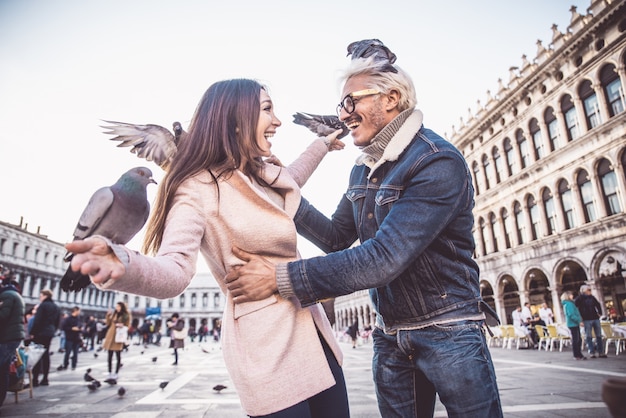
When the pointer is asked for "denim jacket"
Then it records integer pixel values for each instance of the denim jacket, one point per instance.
(413, 216)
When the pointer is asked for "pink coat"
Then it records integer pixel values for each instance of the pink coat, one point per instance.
(271, 347)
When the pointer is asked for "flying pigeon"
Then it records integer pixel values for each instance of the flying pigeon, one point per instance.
(373, 47)
(117, 212)
(219, 388)
(121, 391)
(322, 125)
(152, 142)
(88, 377)
(163, 384)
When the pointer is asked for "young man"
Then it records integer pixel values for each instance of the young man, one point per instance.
(409, 202)
(73, 340)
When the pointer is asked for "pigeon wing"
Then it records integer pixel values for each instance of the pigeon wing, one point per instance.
(152, 142)
(322, 125)
(99, 204)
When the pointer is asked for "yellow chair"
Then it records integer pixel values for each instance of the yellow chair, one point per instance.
(554, 335)
(544, 337)
(508, 336)
(494, 336)
(612, 337)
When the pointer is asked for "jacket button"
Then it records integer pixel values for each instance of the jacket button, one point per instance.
(370, 215)
(374, 180)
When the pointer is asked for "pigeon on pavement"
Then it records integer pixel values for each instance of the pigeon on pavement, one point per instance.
(152, 142)
(154, 359)
(219, 388)
(163, 384)
(373, 47)
(322, 125)
(88, 377)
(121, 391)
(117, 212)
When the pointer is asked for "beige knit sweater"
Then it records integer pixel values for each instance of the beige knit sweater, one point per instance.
(271, 347)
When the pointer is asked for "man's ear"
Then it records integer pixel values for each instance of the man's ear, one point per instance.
(393, 98)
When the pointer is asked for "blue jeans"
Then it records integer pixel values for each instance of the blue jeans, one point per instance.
(7, 351)
(452, 360)
(576, 341)
(71, 347)
(593, 324)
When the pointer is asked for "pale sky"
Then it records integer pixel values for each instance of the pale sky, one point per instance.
(67, 64)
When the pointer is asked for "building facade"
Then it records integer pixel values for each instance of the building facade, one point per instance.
(548, 156)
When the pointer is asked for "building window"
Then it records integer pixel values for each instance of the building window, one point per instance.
(136, 301)
(571, 121)
(535, 134)
(486, 170)
(612, 90)
(520, 225)
(476, 170)
(26, 251)
(182, 300)
(550, 210)
(510, 157)
(609, 188)
(553, 129)
(494, 224)
(481, 231)
(193, 300)
(524, 152)
(506, 222)
(533, 210)
(590, 104)
(205, 300)
(497, 159)
(216, 300)
(565, 192)
(170, 303)
(586, 196)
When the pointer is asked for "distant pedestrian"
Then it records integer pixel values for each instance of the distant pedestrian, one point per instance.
(353, 330)
(546, 314)
(177, 335)
(45, 325)
(73, 341)
(90, 333)
(120, 317)
(64, 316)
(574, 321)
(591, 310)
(12, 329)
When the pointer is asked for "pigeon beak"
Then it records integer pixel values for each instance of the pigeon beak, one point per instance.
(152, 180)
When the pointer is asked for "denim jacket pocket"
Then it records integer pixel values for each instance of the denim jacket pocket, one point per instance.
(246, 308)
(355, 193)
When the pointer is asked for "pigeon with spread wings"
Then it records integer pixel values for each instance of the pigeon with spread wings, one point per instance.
(321, 125)
(117, 212)
(152, 142)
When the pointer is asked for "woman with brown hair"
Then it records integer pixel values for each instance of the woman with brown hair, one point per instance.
(115, 320)
(219, 192)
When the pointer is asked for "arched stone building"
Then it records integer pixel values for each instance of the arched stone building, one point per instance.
(548, 157)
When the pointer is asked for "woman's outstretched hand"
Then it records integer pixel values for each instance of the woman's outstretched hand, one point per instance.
(94, 257)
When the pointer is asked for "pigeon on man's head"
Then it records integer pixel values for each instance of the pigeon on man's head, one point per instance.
(373, 48)
(152, 142)
(322, 125)
(116, 212)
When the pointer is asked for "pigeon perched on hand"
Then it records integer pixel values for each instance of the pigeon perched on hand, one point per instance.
(373, 47)
(117, 212)
(152, 142)
(322, 125)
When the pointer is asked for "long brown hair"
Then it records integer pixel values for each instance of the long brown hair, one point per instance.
(221, 139)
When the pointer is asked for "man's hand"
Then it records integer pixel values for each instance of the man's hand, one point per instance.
(93, 257)
(255, 280)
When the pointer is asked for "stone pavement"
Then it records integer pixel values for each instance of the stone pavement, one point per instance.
(531, 383)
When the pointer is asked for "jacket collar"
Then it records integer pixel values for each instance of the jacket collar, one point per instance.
(398, 142)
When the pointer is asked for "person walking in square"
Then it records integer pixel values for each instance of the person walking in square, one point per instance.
(12, 325)
(591, 311)
(120, 317)
(45, 325)
(73, 339)
(573, 321)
